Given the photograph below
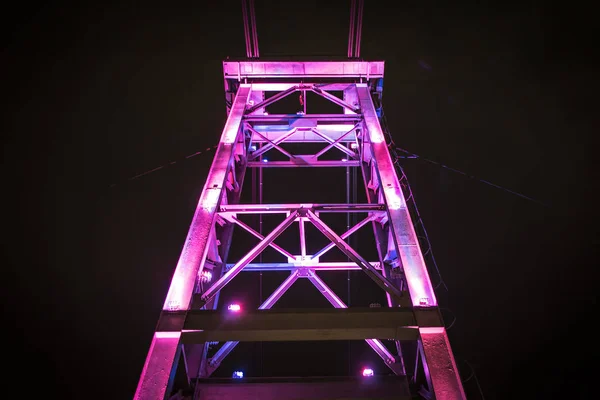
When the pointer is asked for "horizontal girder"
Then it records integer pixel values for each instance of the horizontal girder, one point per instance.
(317, 266)
(300, 324)
(284, 208)
(302, 69)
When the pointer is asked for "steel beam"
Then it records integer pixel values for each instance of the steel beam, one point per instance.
(379, 279)
(240, 70)
(335, 143)
(227, 347)
(439, 365)
(317, 266)
(300, 325)
(163, 355)
(283, 119)
(285, 208)
(345, 235)
(155, 382)
(303, 161)
(249, 229)
(438, 359)
(304, 134)
(404, 236)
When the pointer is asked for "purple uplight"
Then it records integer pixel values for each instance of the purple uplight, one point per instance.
(238, 374)
(367, 372)
(234, 307)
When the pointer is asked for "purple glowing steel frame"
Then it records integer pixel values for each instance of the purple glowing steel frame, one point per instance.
(249, 133)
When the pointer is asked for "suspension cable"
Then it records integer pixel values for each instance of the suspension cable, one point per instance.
(254, 34)
(246, 29)
(354, 34)
(351, 29)
(358, 29)
(250, 35)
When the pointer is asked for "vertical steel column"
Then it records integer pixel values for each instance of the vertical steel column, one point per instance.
(438, 359)
(162, 358)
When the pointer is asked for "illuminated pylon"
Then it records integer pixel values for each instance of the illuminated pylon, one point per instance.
(190, 322)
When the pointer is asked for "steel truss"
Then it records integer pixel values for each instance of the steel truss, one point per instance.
(190, 322)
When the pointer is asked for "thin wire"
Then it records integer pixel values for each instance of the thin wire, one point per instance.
(453, 316)
(351, 30)
(474, 375)
(392, 145)
(472, 177)
(166, 165)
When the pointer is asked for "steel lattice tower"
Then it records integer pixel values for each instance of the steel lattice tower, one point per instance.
(192, 319)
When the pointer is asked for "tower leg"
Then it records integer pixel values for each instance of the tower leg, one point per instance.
(161, 363)
(159, 369)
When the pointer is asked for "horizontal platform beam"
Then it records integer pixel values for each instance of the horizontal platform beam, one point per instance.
(307, 163)
(284, 208)
(280, 86)
(300, 136)
(300, 325)
(309, 119)
(322, 266)
(301, 388)
(302, 69)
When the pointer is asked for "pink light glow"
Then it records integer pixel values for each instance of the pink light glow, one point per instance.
(367, 372)
(234, 307)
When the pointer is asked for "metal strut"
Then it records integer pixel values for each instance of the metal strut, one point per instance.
(355, 32)
(250, 29)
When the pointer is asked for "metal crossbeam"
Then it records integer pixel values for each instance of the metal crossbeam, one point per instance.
(317, 266)
(240, 70)
(285, 208)
(300, 325)
(379, 279)
(376, 344)
(231, 273)
(227, 347)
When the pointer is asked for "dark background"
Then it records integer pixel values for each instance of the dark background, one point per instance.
(95, 95)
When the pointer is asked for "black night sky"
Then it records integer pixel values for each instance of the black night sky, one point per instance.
(98, 94)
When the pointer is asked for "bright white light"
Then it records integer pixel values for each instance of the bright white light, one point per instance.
(238, 374)
(206, 276)
(252, 148)
(265, 160)
(367, 372)
(354, 145)
(234, 307)
(344, 159)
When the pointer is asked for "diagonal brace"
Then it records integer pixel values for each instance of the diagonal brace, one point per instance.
(334, 143)
(351, 153)
(345, 235)
(271, 144)
(261, 237)
(334, 99)
(227, 347)
(376, 344)
(379, 279)
(229, 275)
